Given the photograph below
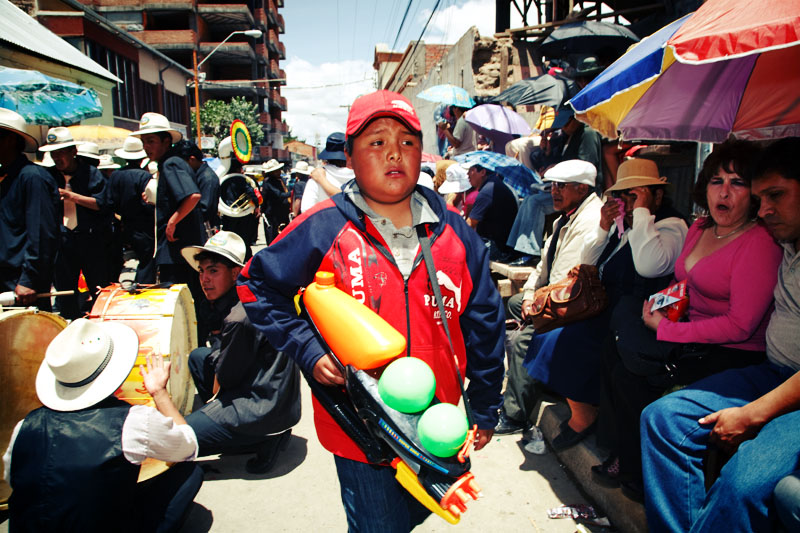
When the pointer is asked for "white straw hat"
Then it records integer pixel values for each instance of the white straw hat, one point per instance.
(302, 168)
(13, 121)
(58, 138)
(131, 149)
(47, 161)
(107, 162)
(155, 123)
(89, 149)
(225, 243)
(86, 363)
(270, 166)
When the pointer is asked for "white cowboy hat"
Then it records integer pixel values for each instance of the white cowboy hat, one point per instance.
(90, 150)
(456, 180)
(302, 168)
(13, 121)
(58, 138)
(107, 162)
(155, 123)
(225, 243)
(270, 166)
(131, 149)
(47, 161)
(79, 371)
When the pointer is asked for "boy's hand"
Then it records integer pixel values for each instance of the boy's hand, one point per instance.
(156, 375)
(326, 371)
(483, 438)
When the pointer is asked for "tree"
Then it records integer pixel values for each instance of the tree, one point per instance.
(217, 116)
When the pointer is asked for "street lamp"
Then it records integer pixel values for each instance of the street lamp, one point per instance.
(250, 33)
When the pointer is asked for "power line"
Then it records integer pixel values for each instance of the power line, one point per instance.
(433, 11)
(325, 86)
(402, 22)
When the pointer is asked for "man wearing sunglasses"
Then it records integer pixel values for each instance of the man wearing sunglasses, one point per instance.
(573, 196)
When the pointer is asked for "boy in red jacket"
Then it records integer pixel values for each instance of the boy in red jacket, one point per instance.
(367, 237)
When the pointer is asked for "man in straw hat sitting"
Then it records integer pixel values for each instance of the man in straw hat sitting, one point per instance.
(85, 222)
(74, 463)
(178, 221)
(29, 218)
(251, 391)
(123, 195)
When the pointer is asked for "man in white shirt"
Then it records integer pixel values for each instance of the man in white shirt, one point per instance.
(74, 463)
(573, 195)
(328, 181)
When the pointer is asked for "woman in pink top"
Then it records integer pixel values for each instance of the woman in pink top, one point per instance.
(730, 264)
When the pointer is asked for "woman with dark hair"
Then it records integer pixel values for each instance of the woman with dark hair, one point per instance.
(730, 265)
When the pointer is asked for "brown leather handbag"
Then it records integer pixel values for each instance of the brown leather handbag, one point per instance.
(578, 296)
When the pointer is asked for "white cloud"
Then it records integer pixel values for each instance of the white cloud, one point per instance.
(318, 95)
(449, 24)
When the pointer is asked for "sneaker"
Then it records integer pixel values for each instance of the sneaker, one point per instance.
(509, 426)
(569, 437)
(267, 454)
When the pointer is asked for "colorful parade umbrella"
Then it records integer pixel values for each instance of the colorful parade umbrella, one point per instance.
(516, 175)
(732, 67)
(45, 100)
(544, 89)
(447, 94)
(587, 37)
(498, 124)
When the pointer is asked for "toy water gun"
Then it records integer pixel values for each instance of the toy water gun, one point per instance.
(396, 419)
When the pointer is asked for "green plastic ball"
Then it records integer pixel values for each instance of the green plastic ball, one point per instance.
(407, 385)
(442, 429)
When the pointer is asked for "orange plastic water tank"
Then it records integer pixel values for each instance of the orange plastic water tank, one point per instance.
(354, 332)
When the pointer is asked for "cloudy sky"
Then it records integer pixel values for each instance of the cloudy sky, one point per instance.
(330, 46)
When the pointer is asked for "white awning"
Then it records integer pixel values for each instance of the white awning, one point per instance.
(18, 28)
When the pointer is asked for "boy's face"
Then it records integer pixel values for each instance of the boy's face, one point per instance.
(216, 279)
(386, 160)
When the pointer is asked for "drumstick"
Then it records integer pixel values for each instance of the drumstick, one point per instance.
(9, 298)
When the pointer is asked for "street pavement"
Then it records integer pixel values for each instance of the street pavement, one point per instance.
(302, 492)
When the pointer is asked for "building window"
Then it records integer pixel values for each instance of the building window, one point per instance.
(124, 95)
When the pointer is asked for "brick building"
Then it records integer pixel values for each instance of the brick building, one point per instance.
(242, 66)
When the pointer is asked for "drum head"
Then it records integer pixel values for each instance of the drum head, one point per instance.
(24, 337)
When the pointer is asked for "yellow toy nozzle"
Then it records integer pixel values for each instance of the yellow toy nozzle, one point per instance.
(408, 479)
(356, 334)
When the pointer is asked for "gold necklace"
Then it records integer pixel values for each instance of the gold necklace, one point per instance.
(737, 230)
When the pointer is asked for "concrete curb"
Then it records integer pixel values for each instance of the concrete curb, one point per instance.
(625, 514)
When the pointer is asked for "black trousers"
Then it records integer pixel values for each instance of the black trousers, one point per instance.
(80, 251)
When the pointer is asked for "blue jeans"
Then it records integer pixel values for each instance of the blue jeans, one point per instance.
(787, 501)
(527, 233)
(674, 446)
(374, 501)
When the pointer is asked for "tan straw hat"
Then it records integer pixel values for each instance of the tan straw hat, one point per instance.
(225, 243)
(302, 168)
(155, 123)
(13, 121)
(107, 162)
(636, 172)
(86, 363)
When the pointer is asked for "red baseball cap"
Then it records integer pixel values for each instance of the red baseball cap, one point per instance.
(381, 104)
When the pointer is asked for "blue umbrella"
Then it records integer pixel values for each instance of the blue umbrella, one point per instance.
(516, 175)
(447, 94)
(45, 100)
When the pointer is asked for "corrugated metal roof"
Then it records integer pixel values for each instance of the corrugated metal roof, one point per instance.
(18, 28)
